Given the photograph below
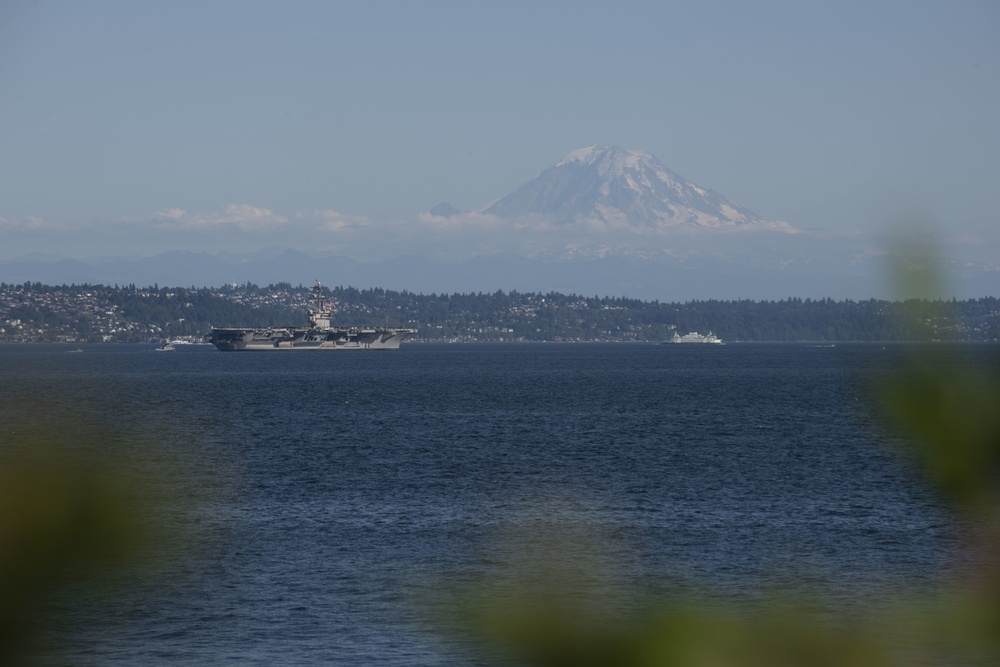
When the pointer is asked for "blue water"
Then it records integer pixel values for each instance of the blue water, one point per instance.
(327, 503)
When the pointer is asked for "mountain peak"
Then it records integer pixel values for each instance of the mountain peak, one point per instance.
(587, 154)
(613, 185)
(598, 154)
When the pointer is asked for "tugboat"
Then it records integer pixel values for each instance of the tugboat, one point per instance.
(319, 335)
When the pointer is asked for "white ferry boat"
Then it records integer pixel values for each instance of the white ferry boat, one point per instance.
(695, 337)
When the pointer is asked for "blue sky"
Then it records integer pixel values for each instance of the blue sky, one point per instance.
(238, 124)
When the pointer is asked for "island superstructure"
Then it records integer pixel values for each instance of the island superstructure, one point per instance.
(319, 335)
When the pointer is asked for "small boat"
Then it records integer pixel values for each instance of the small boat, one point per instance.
(166, 347)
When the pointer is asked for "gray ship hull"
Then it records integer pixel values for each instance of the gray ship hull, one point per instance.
(249, 340)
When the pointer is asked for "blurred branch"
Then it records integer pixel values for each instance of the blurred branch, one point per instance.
(951, 414)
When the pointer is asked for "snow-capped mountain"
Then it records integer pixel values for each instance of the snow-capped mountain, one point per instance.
(617, 186)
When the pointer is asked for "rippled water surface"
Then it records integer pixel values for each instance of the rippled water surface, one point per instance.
(327, 499)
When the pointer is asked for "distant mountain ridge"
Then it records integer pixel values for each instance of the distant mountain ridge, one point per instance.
(617, 186)
(663, 278)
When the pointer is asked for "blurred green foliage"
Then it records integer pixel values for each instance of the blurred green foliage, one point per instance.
(70, 518)
(950, 414)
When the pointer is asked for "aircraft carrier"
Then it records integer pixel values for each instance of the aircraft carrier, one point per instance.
(319, 335)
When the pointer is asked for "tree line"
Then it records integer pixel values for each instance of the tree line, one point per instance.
(130, 313)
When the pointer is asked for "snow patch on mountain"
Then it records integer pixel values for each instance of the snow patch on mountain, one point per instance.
(624, 188)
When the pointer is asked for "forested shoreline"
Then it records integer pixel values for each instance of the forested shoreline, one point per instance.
(33, 312)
